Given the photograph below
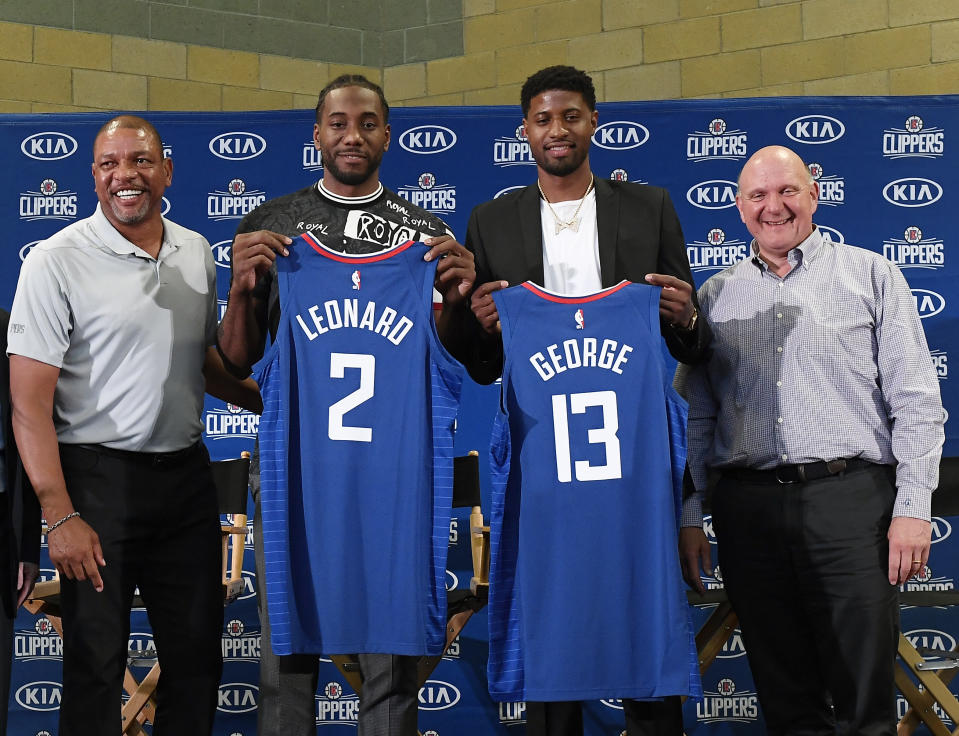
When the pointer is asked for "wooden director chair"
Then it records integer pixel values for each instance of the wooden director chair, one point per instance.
(231, 480)
(932, 670)
(461, 603)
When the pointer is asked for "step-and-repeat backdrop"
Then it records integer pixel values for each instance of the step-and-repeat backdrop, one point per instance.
(888, 176)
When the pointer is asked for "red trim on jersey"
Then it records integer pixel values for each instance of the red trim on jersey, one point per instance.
(345, 258)
(542, 293)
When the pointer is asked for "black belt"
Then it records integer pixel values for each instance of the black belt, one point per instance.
(152, 458)
(802, 473)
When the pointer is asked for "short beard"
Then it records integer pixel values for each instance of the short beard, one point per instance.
(560, 168)
(350, 178)
(131, 218)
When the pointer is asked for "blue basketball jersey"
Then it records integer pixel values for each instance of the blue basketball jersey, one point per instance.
(356, 443)
(586, 595)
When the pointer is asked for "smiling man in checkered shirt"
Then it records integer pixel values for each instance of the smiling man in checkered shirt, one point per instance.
(819, 411)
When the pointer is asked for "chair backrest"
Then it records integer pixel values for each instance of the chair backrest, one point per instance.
(231, 478)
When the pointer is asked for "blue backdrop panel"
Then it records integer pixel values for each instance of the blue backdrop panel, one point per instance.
(888, 176)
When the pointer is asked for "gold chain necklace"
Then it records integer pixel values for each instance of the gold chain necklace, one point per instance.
(573, 222)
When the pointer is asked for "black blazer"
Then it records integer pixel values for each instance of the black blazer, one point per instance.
(19, 509)
(639, 233)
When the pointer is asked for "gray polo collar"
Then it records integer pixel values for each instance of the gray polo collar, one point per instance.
(109, 236)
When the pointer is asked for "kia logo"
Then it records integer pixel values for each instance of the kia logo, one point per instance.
(49, 146)
(620, 135)
(815, 129)
(237, 145)
(428, 139)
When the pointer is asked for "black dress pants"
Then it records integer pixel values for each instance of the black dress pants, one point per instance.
(158, 524)
(805, 567)
(565, 718)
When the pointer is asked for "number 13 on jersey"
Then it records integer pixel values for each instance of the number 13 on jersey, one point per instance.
(605, 435)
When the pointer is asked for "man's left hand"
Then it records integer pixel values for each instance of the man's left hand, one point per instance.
(455, 272)
(676, 300)
(909, 541)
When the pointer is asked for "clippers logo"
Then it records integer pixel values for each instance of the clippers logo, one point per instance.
(25, 250)
(831, 234)
(232, 422)
(940, 361)
(42, 695)
(913, 140)
(915, 251)
(312, 157)
(815, 129)
(619, 175)
(734, 647)
(512, 714)
(431, 732)
(238, 647)
(222, 253)
(452, 582)
(334, 707)
(513, 151)
(432, 197)
(714, 194)
(912, 192)
(903, 706)
(716, 143)
(48, 203)
(355, 278)
(237, 145)
(453, 650)
(43, 643)
(507, 190)
(438, 695)
(926, 580)
(236, 697)
(49, 145)
(234, 203)
(580, 319)
(728, 704)
(928, 303)
(831, 188)
(715, 253)
(941, 529)
(427, 139)
(620, 135)
(931, 639)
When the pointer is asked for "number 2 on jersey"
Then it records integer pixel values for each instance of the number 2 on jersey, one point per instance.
(606, 435)
(366, 364)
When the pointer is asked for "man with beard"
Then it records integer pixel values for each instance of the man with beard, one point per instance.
(348, 210)
(575, 234)
(111, 336)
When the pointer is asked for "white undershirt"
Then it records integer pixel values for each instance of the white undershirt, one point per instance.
(571, 259)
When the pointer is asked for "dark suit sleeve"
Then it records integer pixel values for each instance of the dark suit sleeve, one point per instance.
(685, 347)
(482, 354)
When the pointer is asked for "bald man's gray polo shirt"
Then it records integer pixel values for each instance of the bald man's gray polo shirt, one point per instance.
(128, 332)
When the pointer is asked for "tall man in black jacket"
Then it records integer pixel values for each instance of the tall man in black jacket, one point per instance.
(575, 233)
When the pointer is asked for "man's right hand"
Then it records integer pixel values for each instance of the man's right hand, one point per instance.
(694, 556)
(253, 254)
(484, 308)
(75, 551)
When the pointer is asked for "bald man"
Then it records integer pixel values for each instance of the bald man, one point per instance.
(819, 411)
(110, 341)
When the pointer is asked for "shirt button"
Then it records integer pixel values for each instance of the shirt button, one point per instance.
(780, 420)
(785, 456)
(779, 316)
(779, 349)
(779, 383)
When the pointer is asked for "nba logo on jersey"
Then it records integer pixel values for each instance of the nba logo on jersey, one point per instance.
(356, 280)
(580, 319)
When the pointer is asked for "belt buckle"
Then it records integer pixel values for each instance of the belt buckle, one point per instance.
(787, 481)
